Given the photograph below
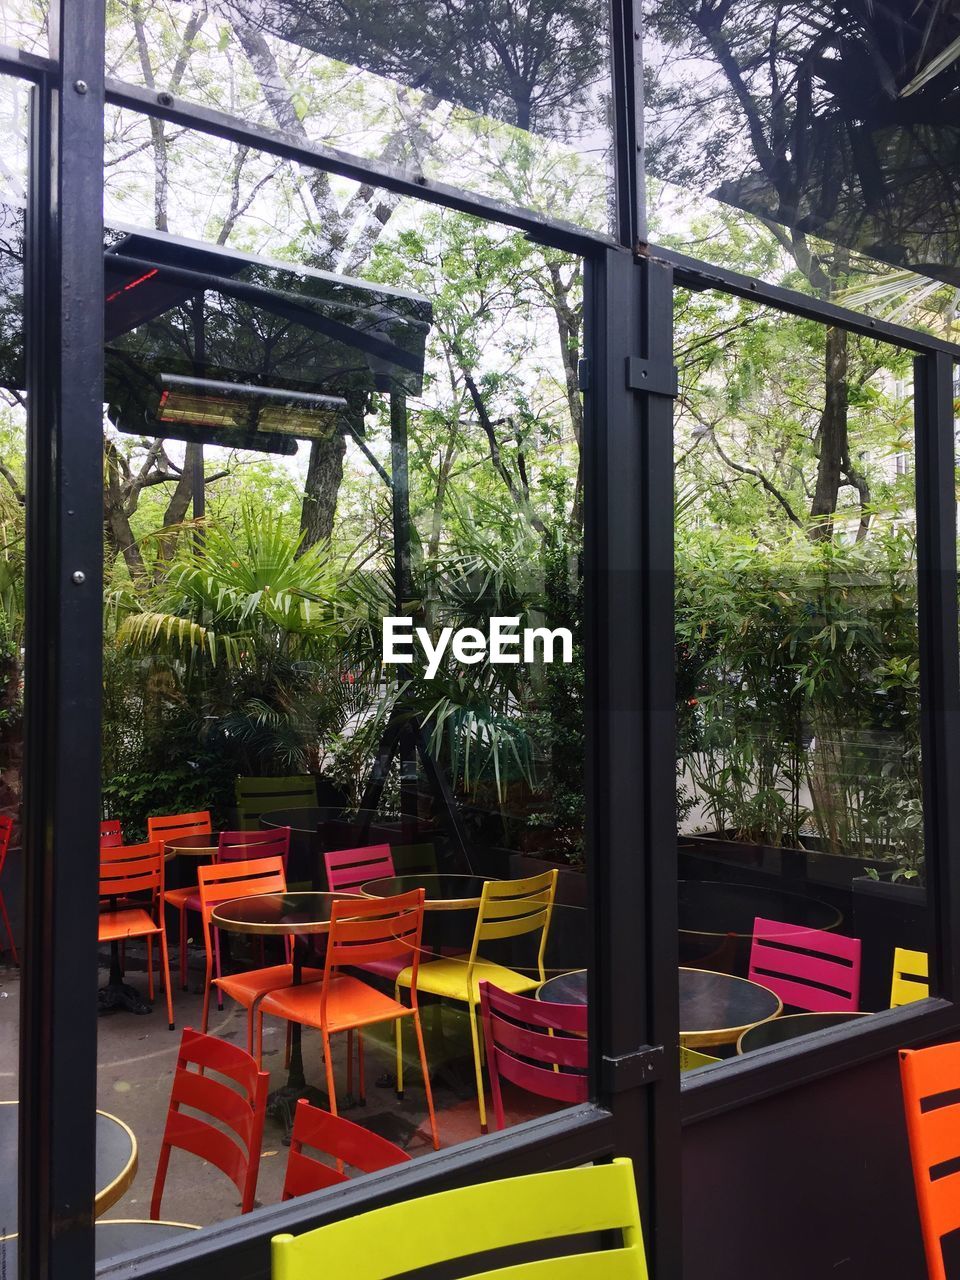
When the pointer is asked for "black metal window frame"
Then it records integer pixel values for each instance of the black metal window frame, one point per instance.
(629, 648)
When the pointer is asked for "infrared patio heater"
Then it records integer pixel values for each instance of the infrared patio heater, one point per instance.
(215, 347)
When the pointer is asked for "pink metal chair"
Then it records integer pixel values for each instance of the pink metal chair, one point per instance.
(538, 1045)
(350, 868)
(809, 969)
(238, 846)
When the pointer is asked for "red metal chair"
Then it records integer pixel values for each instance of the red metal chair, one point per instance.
(361, 930)
(111, 833)
(235, 1152)
(6, 831)
(538, 1045)
(350, 868)
(810, 969)
(163, 827)
(125, 872)
(348, 1143)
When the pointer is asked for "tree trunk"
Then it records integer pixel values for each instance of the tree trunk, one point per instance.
(831, 435)
(324, 474)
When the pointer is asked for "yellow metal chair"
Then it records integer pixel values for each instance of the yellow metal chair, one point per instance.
(911, 977)
(690, 1059)
(508, 909)
(459, 1224)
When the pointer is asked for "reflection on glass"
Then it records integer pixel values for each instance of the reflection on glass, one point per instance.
(23, 24)
(292, 454)
(797, 667)
(509, 98)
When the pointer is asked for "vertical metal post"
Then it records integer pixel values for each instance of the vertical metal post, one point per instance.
(199, 357)
(400, 472)
(939, 659)
(626, 51)
(628, 493)
(64, 604)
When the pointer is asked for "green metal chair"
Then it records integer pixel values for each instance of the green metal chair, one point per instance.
(259, 795)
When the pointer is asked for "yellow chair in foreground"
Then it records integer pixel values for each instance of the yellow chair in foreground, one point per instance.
(911, 977)
(508, 909)
(459, 1224)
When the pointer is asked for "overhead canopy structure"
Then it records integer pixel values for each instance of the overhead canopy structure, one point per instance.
(839, 118)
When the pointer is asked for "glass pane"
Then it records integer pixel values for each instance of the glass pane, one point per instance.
(774, 134)
(23, 24)
(13, 499)
(329, 499)
(797, 676)
(508, 99)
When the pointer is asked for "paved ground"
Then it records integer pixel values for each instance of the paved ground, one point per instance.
(136, 1060)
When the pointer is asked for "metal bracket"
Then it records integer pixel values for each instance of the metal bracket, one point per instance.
(656, 377)
(631, 1070)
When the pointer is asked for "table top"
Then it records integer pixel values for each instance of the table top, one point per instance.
(718, 909)
(114, 1236)
(116, 1163)
(715, 1008)
(278, 913)
(308, 818)
(443, 892)
(202, 844)
(789, 1027)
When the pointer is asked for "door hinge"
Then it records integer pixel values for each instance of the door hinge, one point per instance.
(655, 376)
(631, 1070)
(583, 375)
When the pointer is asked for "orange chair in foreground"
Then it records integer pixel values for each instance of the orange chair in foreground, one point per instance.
(233, 1142)
(361, 931)
(219, 883)
(347, 1142)
(931, 1097)
(135, 869)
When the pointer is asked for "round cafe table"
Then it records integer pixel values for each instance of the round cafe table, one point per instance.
(114, 1236)
(116, 1163)
(202, 845)
(715, 1008)
(441, 892)
(296, 915)
(789, 1027)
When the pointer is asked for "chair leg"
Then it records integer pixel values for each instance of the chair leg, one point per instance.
(287, 1046)
(159, 1181)
(331, 1083)
(399, 1026)
(6, 925)
(149, 968)
(362, 1099)
(216, 960)
(165, 961)
(427, 1088)
(259, 1053)
(475, 1036)
(183, 948)
(350, 1063)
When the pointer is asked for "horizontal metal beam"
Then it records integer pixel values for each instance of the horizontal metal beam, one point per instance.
(695, 274)
(191, 115)
(24, 65)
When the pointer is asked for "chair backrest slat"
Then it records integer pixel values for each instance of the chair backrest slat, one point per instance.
(931, 1097)
(511, 908)
(131, 868)
(367, 929)
(336, 1137)
(810, 969)
(170, 826)
(911, 977)
(237, 846)
(256, 796)
(111, 833)
(457, 1224)
(228, 1130)
(350, 868)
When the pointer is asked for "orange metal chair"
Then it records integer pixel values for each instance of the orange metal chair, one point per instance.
(6, 831)
(348, 1143)
(361, 930)
(165, 827)
(233, 1142)
(219, 883)
(930, 1079)
(131, 869)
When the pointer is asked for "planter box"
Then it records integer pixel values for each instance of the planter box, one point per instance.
(571, 883)
(886, 915)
